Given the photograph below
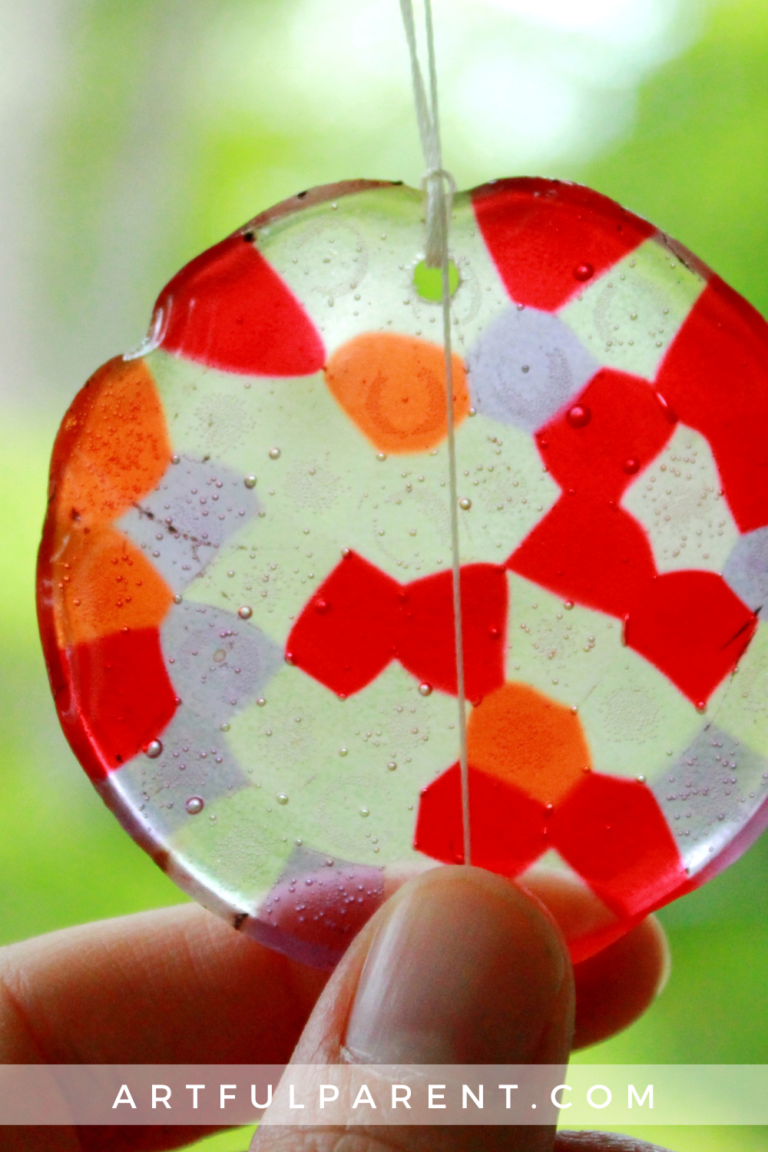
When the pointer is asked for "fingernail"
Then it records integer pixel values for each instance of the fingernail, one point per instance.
(465, 969)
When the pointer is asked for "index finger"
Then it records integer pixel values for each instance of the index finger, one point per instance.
(174, 986)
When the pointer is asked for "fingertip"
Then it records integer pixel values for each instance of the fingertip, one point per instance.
(448, 969)
(460, 966)
(617, 985)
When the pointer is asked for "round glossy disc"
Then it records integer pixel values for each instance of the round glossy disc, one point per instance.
(245, 578)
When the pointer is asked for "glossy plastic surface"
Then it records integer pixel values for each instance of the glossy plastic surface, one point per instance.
(245, 589)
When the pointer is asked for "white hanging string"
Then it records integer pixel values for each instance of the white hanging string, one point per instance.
(440, 188)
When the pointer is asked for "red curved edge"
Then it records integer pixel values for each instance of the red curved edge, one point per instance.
(55, 661)
(107, 719)
(539, 232)
(229, 309)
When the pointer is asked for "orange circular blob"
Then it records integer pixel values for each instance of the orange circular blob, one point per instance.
(112, 447)
(393, 387)
(529, 740)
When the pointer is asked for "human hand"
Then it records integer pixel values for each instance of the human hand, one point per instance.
(459, 966)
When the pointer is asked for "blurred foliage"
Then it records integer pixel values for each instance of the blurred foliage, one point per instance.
(695, 162)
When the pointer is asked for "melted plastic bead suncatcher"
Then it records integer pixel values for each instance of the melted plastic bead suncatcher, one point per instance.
(245, 577)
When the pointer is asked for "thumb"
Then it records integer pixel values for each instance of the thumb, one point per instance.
(458, 967)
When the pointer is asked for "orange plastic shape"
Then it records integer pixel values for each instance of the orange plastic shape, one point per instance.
(112, 449)
(529, 740)
(393, 388)
(103, 583)
(113, 446)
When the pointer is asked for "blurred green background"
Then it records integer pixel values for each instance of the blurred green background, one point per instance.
(137, 132)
